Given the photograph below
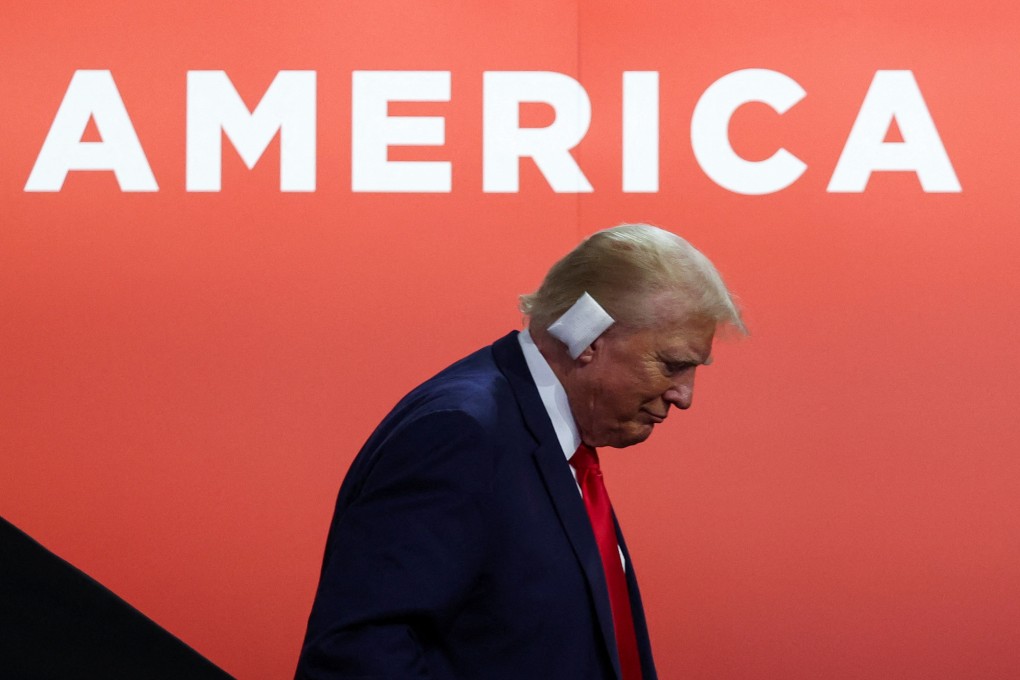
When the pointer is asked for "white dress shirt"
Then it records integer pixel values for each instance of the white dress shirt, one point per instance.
(554, 397)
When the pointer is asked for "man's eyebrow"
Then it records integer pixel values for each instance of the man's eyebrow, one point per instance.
(686, 361)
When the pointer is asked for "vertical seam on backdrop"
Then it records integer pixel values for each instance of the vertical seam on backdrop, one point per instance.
(577, 57)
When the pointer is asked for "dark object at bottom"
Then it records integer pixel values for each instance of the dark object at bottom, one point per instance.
(56, 622)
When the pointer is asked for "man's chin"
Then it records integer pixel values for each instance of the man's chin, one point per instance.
(631, 436)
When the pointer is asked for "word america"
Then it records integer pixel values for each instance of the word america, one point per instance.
(288, 108)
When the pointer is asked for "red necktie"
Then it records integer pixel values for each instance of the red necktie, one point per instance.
(600, 512)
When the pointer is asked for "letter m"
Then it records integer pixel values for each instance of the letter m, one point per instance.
(288, 106)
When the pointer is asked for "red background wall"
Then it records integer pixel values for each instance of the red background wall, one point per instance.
(185, 377)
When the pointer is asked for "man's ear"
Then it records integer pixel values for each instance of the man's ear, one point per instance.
(589, 352)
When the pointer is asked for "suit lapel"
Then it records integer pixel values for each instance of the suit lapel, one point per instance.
(637, 611)
(559, 483)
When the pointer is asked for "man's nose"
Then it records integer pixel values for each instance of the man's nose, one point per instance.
(681, 392)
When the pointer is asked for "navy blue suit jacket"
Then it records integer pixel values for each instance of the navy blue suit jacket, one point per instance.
(460, 546)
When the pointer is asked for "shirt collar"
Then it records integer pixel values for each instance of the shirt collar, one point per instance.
(554, 397)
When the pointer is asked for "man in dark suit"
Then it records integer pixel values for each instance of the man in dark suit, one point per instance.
(473, 537)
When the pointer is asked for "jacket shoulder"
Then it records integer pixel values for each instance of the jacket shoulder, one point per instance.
(475, 387)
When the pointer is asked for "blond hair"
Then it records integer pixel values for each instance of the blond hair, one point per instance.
(627, 269)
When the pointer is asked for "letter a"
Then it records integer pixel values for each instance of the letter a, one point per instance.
(91, 94)
(894, 95)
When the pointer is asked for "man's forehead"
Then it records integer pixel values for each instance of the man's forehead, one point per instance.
(686, 340)
(679, 340)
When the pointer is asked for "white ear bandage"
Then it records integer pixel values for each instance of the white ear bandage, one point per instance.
(580, 325)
